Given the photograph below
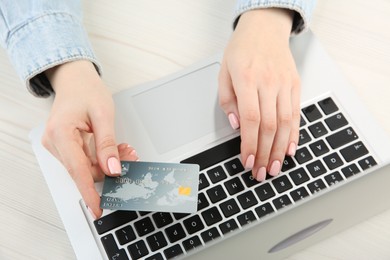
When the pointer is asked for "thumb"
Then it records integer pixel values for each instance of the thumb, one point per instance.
(107, 154)
(106, 148)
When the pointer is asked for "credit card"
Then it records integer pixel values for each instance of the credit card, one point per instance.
(152, 186)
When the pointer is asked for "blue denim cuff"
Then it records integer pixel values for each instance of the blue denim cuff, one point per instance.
(303, 10)
(44, 42)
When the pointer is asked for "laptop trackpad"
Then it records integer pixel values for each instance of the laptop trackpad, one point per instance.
(181, 110)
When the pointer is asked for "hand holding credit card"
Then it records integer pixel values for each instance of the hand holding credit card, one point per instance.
(152, 186)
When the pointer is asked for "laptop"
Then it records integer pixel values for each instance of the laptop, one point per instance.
(338, 177)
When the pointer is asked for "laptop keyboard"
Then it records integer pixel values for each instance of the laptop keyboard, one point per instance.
(329, 153)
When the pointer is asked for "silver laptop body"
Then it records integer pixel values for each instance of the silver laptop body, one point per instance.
(177, 117)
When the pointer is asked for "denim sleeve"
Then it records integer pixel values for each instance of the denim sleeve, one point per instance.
(40, 34)
(303, 10)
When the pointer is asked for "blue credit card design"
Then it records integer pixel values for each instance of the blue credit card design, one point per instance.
(152, 186)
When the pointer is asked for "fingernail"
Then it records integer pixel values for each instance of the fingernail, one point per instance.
(114, 166)
(250, 161)
(275, 168)
(92, 214)
(233, 121)
(134, 152)
(292, 149)
(261, 173)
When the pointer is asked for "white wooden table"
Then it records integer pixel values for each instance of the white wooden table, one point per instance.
(138, 41)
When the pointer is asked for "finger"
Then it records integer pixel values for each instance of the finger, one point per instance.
(267, 130)
(127, 153)
(106, 149)
(79, 168)
(249, 114)
(284, 120)
(296, 118)
(227, 97)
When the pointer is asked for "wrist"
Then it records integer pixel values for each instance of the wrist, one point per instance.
(268, 22)
(73, 77)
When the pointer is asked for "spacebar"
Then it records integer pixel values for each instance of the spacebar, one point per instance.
(216, 154)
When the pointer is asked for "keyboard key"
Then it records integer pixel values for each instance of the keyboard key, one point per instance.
(210, 234)
(264, 191)
(299, 176)
(367, 163)
(302, 122)
(175, 232)
(193, 224)
(333, 161)
(179, 216)
(335, 122)
(342, 137)
(191, 243)
(304, 137)
(203, 182)
(319, 148)
(229, 207)
(316, 168)
(216, 174)
(216, 154)
(303, 155)
(234, 186)
(162, 219)
(333, 178)
(173, 251)
(281, 202)
(228, 226)
(328, 106)
(125, 235)
(247, 199)
(138, 250)
(111, 247)
(156, 241)
(114, 220)
(350, 170)
(354, 151)
(246, 218)
(143, 213)
(316, 186)
(299, 194)
(234, 166)
(202, 201)
(216, 194)
(288, 164)
(211, 216)
(318, 130)
(312, 113)
(282, 183)
(157, 256)
(264, 210)
(249, 180)
(144, 226)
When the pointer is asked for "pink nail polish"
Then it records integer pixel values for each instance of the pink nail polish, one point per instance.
(92, 214)
(250, 161)
(275, 168)
(233, 121)
(261, 174)
(292, 149)
(114, 166)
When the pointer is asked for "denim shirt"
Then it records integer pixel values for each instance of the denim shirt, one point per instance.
(41, 34)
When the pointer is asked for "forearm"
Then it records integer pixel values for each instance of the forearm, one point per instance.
(39, 35)
(74, 77)
(255, 24)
